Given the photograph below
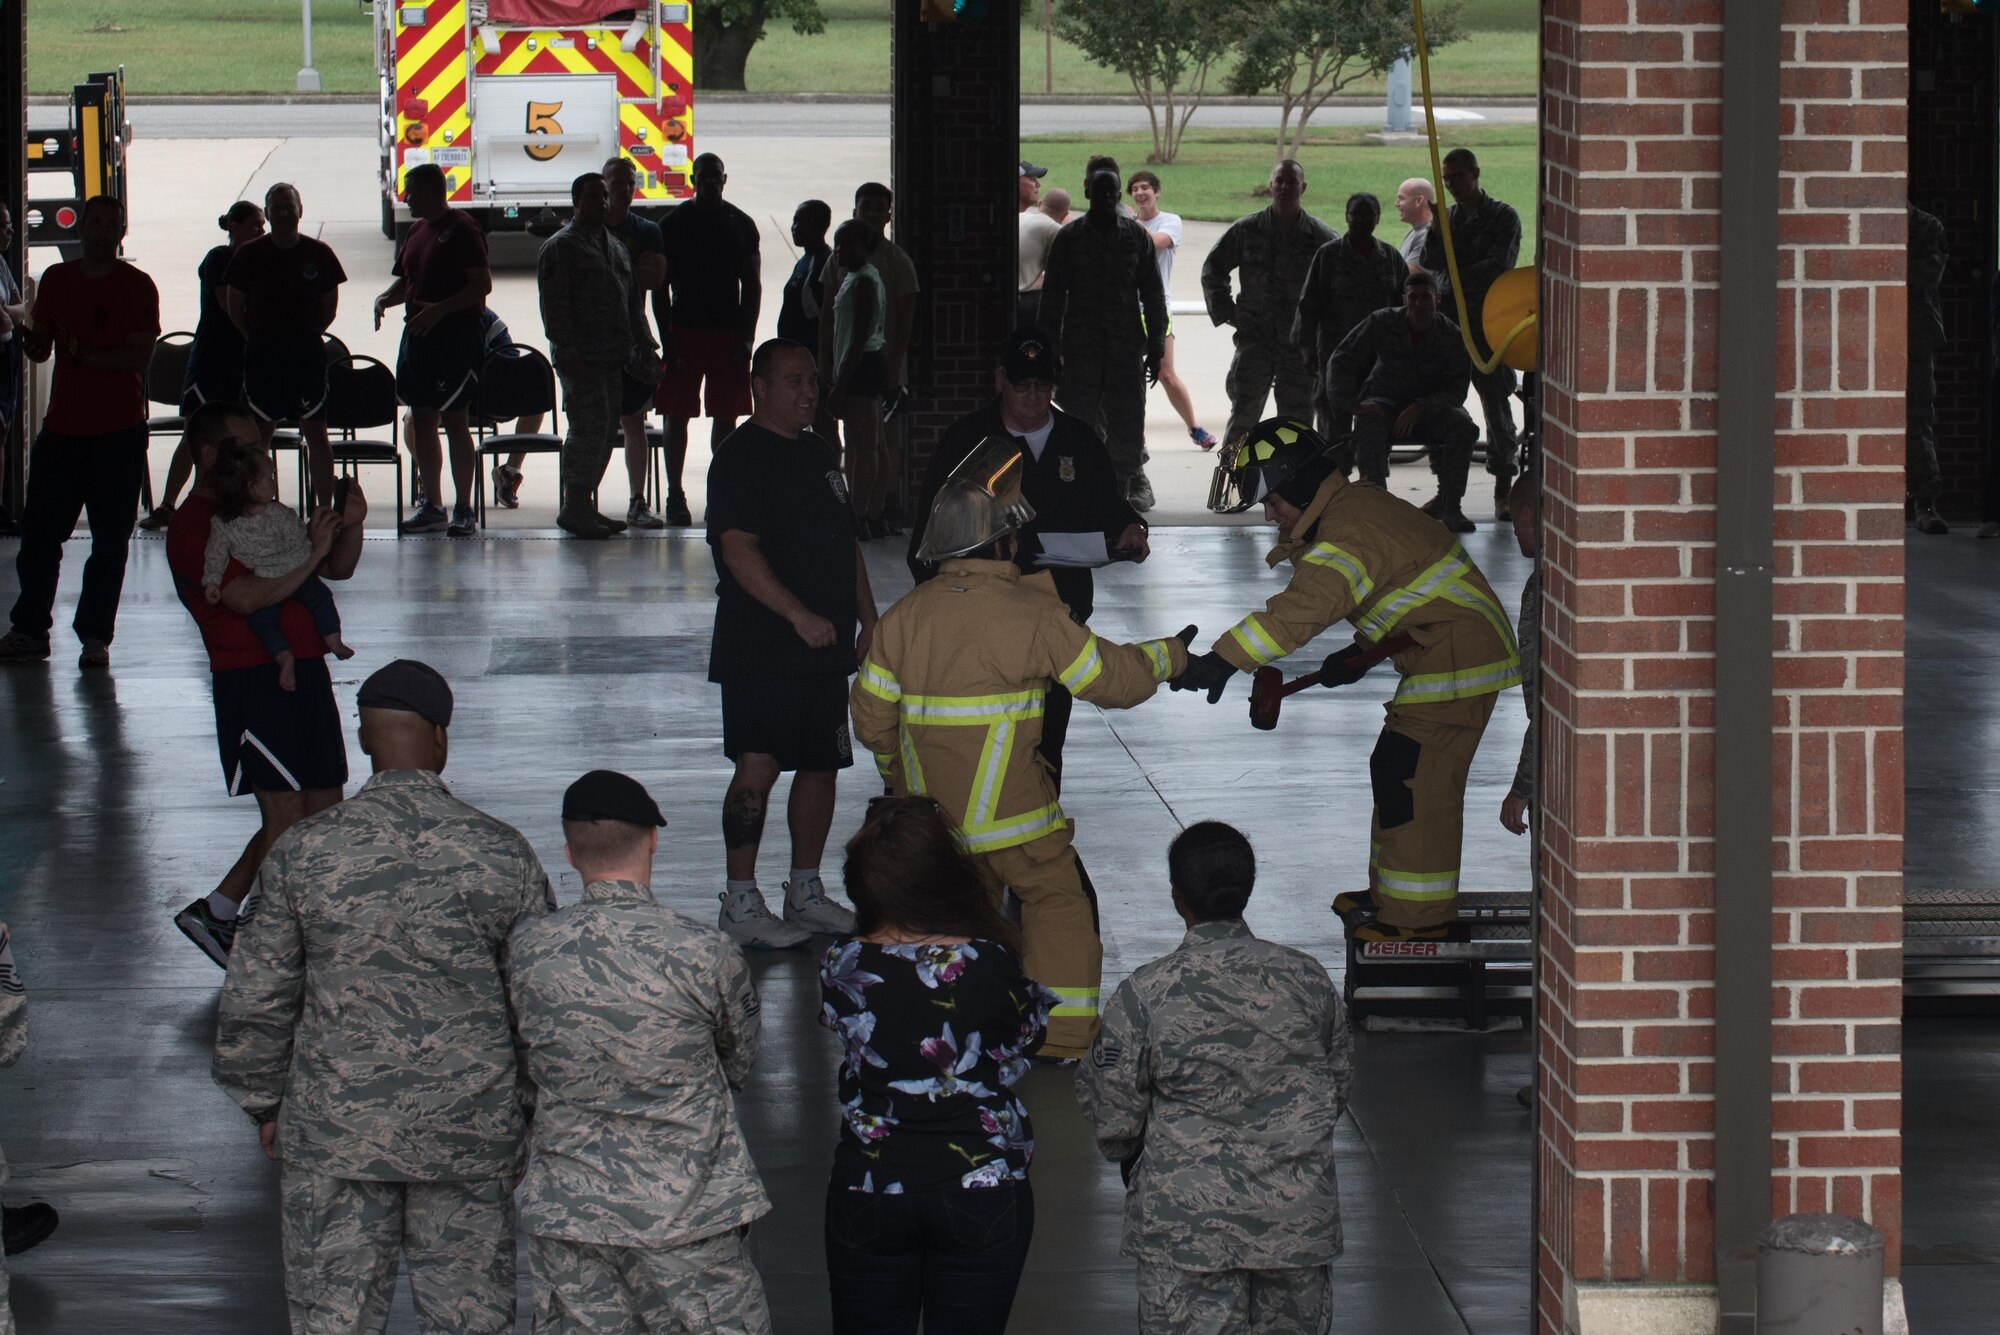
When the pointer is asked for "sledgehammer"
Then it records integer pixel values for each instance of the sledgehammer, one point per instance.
(1268, 687)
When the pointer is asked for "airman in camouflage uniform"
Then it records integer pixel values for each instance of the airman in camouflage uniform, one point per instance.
(13, 1041)
(1105, 310)
(1927, 256)
(1216, 1081)
(364, 1027)
(634, 1023)
(1269, 252)
(1350, 278)
(1486, 242)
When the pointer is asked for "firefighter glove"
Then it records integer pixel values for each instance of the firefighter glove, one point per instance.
(1208, 672)
(1345, 667)
(1186, 635)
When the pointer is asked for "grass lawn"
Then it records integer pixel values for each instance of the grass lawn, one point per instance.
(1218, 170)
(253, 46)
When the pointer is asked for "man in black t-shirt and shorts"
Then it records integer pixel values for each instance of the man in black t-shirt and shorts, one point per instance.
(281, 292)
(442, 278)
(707, 313)
(791, 591)
(282, 745)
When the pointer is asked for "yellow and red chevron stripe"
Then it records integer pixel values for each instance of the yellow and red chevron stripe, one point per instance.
(432, 66)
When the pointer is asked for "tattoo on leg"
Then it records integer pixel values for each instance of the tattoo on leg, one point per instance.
(743, 820)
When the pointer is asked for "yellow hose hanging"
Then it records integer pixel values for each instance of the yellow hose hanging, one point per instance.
(1443, 215)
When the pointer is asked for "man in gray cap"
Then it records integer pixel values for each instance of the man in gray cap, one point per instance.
(364, 1027)
(635, 1022)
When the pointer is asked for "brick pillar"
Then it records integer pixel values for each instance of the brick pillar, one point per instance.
(955, 142)
(1952, 174)
(1625, 1018)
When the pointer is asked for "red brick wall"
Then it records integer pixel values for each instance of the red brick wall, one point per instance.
(955, 140)
(1952, 174)
(1632, 158)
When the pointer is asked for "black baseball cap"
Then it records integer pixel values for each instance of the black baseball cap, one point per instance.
(1030, 169)
(1028, 355)
(411, 687)
(605, 794)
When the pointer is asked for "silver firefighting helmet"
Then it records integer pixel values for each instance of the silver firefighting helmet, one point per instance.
(979, 503)
(1260, 461)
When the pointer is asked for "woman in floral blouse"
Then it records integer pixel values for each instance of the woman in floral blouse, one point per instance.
(929, 1213)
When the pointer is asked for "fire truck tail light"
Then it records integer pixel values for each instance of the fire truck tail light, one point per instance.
(415, 108)
(416, 132)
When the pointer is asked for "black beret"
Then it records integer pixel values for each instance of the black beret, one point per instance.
(410, 686)
(605, 794)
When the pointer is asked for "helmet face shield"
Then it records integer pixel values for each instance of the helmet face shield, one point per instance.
(979, 503)
(1238, 482)
(1250, 468)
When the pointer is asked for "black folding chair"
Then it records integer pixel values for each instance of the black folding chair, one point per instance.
(515, 382)
(164, 376)
(361, 396)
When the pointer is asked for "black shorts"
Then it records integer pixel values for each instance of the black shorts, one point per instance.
(279, 741)
(441, 369)
(636, 395)
(284, 378)
(800, 720)
(871, 376)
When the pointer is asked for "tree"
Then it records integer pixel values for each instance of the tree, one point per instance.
(1308, 50)
(1165, 47)
(725, 30)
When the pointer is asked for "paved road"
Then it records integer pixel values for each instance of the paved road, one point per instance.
(838, 120)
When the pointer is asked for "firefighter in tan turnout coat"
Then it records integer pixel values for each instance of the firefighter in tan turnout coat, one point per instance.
(1374, 560)
(949, 699)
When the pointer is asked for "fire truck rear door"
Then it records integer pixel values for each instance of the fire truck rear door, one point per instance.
(532, 134)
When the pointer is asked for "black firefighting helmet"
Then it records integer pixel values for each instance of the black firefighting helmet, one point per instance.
(1272, 454)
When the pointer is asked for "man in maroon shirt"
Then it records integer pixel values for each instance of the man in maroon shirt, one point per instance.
(99, 316)
(284, 746)
(282, 292)
(442, 278)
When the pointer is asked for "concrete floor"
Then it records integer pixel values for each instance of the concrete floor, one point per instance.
(112, 815)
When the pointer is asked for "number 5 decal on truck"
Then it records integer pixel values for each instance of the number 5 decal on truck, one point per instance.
(542, 120)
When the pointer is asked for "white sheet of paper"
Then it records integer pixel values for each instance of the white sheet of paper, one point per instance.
(1081, 550)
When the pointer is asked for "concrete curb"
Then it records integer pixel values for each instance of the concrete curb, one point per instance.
(806, 99)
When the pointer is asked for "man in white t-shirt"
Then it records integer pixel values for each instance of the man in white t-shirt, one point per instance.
(1038, 229)
(1144, 188)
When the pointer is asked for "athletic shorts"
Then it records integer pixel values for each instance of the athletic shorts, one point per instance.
(871, 376)
(714, 356)
(279, 741)
(800, 720)
(284, 377)
(440, 369)
(636, 396)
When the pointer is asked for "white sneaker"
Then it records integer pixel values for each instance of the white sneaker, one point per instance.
(807, 906)
(748, 921)
(639, 515)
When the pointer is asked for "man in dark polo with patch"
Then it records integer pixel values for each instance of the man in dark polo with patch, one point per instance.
(1082, 518)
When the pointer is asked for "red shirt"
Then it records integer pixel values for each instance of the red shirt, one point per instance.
(225, 634)
(437, 255)
(102, 314)
(283, 287)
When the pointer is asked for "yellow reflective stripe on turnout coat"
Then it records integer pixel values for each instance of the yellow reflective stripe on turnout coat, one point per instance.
(1372, 559)
(949, 697)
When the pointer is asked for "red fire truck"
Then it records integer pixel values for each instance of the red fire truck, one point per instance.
(515, 98)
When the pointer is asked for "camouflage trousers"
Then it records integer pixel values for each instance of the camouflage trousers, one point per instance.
(6, 1312)
(1923, 479)
(1449, 433)
(343, 1239)
(591, 399)
(1060, 948)
(1104, 383)
(1259, 368)
(1173, 1301)
(708, 1287)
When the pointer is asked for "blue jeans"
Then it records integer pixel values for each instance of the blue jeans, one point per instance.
(267, 623)
(951, 1258)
